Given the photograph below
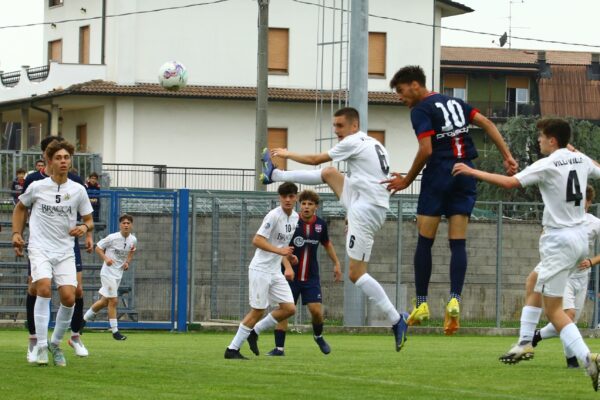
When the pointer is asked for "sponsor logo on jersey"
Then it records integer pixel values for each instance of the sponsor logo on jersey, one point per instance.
(267, 225)
(66, 197)
(570, 161)
(298, 241)
(52, 211)
(453, 133)
(318, 228)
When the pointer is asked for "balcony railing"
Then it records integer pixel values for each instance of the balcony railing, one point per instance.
(505, 109)
(10, 79)
(38, 74)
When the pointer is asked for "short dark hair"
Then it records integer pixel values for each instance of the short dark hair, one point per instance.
(127, 217)
(41, 161)
(93, 175)
(351, 114)
(590, 193)
(408, 74)
(49, 139)
(57, 145)
(309, 195)
(556, 128)
(287, 188)
(21, 171)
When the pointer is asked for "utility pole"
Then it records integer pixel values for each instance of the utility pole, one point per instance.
(261, 89)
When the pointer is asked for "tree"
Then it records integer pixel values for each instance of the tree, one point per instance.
(520, 133)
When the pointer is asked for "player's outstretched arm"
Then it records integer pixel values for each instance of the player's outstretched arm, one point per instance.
(510, 165)
(100, 252)
(506, 182)
(589, 262)
(18, 222)
(262, 243)
(399, 182)
(308, 159)
(337, 270)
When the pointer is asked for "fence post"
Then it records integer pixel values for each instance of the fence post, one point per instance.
(399, 230)
(243, 267)
(182, 258)
(214, 264)
(193, 259)
(498, 264)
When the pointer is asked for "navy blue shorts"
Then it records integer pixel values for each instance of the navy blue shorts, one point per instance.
(310, 291)
(444, 194)
(78, 264)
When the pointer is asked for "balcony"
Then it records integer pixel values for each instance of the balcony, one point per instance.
(37, 81)
(504, 109)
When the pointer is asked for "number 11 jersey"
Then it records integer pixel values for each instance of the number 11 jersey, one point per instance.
(562, 178)
(446, 119)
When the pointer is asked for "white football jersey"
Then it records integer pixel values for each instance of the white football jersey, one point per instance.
(117, 247)
(278, 228)
(367, 163)
(562, 179)
(54, 211)
(592, 225)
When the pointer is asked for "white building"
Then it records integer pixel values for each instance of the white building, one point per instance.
(101, 89)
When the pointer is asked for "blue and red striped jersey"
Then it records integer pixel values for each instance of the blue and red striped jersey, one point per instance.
(446, 119)
(306, 241)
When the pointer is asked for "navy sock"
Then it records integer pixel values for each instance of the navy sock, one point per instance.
(317, 329)
(454, 296)
(279, 338)
(421, 300)
(30, 304)
(458, 265)
(77, 319)
(422, 262)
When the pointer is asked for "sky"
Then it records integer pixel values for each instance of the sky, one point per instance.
(568, 21)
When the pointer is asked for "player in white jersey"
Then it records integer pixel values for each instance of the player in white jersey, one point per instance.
(116, 250)
(360, 192)
(267, 286)
(564, 241)
(576, 290)
(54, 202)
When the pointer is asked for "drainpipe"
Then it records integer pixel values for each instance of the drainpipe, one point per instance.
(103, 45)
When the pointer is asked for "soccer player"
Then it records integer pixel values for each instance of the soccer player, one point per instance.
(564, 241)
(17, 185)
(77, 320)
(576, 290)
(360, 192)
(311, 231)
(54, 202)
(267, 286)
(441, 124)
(116, 250)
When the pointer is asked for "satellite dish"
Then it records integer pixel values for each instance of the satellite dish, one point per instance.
(503, 39)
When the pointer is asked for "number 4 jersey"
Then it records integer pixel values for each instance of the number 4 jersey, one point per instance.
(446, 119)
(562, 178)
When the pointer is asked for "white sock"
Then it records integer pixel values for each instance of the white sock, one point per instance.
(63, 320)
(113, 325)
(267, 322)
(373, 290)
(240, 337)
(305, 177)
(573, 341)
(549, 331)
(41, 315)
(530, 316)
(89, 315)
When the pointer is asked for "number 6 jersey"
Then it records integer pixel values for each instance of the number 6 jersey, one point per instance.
(446, 119)
(562, 178)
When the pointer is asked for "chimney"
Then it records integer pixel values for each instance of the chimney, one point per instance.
(543, 66)
(541, 56)
(594, 69)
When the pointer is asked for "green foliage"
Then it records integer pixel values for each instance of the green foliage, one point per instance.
(520, 133)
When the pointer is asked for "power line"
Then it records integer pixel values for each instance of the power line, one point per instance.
(454, 29)
(207, 3)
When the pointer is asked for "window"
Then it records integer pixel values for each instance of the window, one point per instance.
(378, 135)
(84, 45)
(377, 46)
(54, 3)
(81, 138)
(277, 138)
(278, 50)
(456, 86)
(517, 94)
(55, 50)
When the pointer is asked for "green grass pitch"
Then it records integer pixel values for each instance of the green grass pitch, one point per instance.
(161, 365)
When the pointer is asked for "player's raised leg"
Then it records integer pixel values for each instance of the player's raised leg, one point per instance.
(77, 319)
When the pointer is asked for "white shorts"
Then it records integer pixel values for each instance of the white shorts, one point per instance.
(268, 288)
(575, 292)
(364, 221)
(561, 250)
(110, 286)
(57, 266)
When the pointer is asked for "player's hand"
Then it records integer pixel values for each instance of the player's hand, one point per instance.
(289, 274)
(78, 231)
(510, 166)
(397, 183)
(293, 259)
(109, 261)
(125, 266)
(585, 264)
(337, 273)
(89, 243)
(283, 153)
(461, 169)
(18, 244)
(286, 251)
(133, 249)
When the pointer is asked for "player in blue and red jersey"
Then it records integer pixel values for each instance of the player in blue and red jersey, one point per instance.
(441, 124)
(77, 320)
(310, 232)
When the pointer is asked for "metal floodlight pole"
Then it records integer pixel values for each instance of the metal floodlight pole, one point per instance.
(261, 88)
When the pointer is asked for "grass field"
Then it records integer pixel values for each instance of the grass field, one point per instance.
(154, 365)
